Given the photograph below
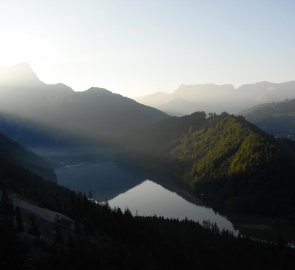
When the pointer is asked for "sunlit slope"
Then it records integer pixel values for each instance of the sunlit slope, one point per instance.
(228, 161)
(223, 146)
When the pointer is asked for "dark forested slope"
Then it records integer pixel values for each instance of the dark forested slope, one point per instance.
(95, 236)
(14, 155)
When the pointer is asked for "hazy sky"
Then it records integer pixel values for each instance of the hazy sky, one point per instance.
(141, 46)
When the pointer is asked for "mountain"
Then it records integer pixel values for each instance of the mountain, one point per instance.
(18, 75)
(180, 106)
(95, 114)
(13, 154)
(218, 98)
(227, 161)
(277, 118)
(32, 135)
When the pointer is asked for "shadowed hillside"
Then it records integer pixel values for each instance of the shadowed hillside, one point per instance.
(277, 118)
(14, 155)
(95, 114)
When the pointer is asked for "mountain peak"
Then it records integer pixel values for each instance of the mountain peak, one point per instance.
(98, 90)
(23, 65)
(21, 75)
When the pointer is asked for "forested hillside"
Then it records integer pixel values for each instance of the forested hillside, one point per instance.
(228, 161)
(14, 155)
(92, 235)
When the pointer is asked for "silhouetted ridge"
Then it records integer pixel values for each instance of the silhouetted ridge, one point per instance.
(95, 114)
(218, 98)
(13, 153)
(97, 90)
(63, 87)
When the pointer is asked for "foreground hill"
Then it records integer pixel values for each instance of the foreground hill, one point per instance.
(92, 114)
(277, 118)
(228, 161)
(218, 98)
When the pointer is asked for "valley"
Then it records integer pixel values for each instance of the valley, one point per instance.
(147, 135)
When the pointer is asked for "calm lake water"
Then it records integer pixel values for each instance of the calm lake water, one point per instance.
(104, 179)
(126, 189)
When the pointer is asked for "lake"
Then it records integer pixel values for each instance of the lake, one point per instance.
(104, 179)
(127, 188)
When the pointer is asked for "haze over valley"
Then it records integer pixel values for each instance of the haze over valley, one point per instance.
(218, 98)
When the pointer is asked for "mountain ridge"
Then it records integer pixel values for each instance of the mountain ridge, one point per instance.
(219, 98)
(21, 74)
(277, 118)
(96, 114)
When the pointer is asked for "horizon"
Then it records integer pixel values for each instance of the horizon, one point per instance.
(137, 48)
(146, 94)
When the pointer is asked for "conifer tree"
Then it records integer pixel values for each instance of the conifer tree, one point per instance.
(34, 229)
(19, 220)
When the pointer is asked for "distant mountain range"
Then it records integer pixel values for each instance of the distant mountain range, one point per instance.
(218, 98)
(95, 114)
(277, 118)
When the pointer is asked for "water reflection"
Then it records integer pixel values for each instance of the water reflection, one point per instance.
(125, 188)
(149, 198)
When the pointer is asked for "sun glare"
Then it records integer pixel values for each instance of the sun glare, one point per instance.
(23, 45)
